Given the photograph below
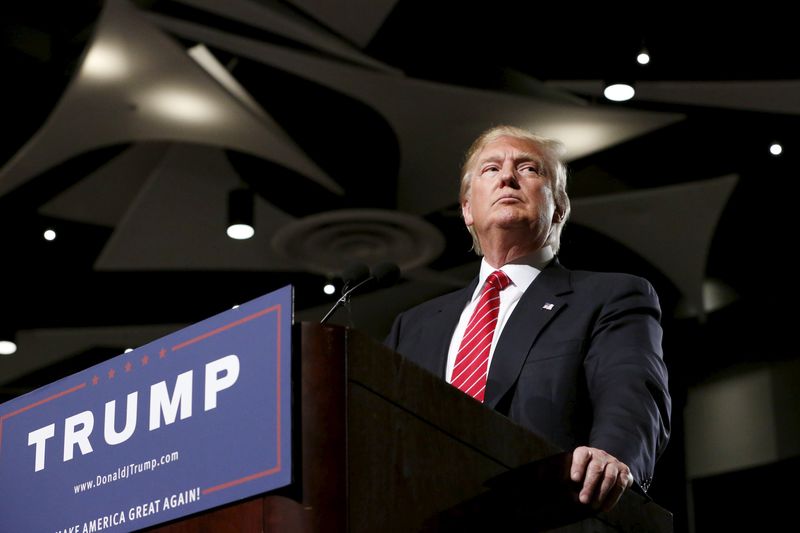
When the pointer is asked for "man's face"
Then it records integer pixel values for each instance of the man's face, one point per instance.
(509, 192)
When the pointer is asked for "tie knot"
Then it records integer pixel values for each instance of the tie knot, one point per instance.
(498, 279)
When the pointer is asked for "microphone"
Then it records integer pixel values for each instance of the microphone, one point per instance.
(353, 275)
(386, 274)
(383, 275)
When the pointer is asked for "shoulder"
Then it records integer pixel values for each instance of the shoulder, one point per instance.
(439, 303)
(610, 281)
(605, 287)
(409, 325)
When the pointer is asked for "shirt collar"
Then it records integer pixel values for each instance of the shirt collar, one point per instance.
(522, 271)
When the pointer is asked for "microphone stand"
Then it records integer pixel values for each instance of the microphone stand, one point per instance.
(344, 299)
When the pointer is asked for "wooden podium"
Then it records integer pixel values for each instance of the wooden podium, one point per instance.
(381, 445)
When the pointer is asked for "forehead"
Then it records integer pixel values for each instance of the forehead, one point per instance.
(503, 147)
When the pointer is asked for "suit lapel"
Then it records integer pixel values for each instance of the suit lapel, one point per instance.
(538, 306)
(440, 327)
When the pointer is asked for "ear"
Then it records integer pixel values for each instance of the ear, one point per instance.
(558, 214)
(466, 212)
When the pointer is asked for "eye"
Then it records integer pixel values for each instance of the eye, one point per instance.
(531, 168)
(489, 169)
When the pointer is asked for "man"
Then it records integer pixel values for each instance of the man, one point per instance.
(574, 356)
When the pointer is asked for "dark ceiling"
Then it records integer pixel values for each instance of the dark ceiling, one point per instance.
(476, 47)
(503, 47)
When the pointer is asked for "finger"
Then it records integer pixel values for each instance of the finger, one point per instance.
(611, 479)
(615, 480)
(594, 475)
(623, 481)
(580, 459)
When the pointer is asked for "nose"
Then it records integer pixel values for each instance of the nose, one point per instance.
(507, 175)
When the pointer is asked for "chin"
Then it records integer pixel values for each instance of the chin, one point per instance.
(510, 219)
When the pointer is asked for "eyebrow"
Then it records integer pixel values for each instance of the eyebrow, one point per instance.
(521, 157)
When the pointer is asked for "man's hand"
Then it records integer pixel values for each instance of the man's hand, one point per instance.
(604, 477)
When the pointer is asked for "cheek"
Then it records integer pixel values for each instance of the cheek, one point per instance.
(545, 201)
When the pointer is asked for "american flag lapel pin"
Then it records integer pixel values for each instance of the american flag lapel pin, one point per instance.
(548, 306)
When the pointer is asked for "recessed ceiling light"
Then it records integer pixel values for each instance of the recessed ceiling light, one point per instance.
(240, 214)
(49, 235)
(240, 232)
(776, 149)
(7, 347)
(329, 288)
(619, 92)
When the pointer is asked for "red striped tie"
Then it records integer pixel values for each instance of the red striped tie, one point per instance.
(471, 367)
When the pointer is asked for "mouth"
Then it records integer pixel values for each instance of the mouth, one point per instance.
(509, 199)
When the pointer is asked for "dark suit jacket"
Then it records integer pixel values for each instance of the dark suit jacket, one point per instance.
(588, 371)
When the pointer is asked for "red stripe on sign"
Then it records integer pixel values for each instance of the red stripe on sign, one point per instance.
(226, 327)
(278, 462)
(35, 404)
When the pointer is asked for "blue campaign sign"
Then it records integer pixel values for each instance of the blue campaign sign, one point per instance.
(191, 421)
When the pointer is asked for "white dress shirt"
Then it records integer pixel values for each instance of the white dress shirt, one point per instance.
(522, 272)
